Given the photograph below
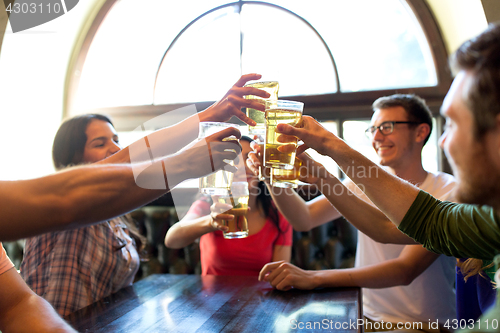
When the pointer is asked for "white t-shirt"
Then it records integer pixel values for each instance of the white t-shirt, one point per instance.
(5, 263)
(431, 296)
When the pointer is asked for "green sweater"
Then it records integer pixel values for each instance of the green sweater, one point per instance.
(460, 230)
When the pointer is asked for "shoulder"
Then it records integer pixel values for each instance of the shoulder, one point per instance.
(440, 185)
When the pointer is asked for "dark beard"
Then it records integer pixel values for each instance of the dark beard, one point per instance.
(482, 183)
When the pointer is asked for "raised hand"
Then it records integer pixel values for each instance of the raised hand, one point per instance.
(310, 132)
(232, 102)
(212, 153)
(311, 171)
(284, 276)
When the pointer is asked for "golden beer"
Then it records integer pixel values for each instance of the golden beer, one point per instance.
(272, 88)
(287, 178)
(238, 199)
(272, 156)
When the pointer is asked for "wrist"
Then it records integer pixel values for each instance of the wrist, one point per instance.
(316, 279)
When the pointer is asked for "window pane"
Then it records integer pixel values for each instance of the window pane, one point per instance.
(431, 150)
(124, 56)
(204, 62)
(376, 44)
(354, 135)
(281, 47)
(328, 162)
(295, 56)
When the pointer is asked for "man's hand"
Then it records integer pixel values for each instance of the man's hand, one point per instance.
(310, 132)
(232, 102)
(311, 171)
(285, 276)
(211, 154)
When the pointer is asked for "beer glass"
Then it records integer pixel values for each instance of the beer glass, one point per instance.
(217, 183)
(280, 112)
(286, 178)
(237, 197)
(272, 88)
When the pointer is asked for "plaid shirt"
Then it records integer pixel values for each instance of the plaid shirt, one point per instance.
(75, 268)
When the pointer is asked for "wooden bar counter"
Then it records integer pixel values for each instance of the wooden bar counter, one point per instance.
(193, 303)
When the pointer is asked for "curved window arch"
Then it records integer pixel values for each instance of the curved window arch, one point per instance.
(336, 56)
(210, 43)
(281, 45)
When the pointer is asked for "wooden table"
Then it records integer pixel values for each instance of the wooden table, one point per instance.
(193, 303)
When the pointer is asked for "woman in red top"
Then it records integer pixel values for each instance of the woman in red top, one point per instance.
(269, 234)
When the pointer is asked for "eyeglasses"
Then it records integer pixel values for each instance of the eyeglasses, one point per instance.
(386, 128)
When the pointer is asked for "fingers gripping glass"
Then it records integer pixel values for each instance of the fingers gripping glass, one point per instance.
(385, 128)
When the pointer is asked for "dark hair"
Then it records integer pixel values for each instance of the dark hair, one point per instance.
(481, 56)
(264, 199)
(68, 148)
(69, 142)
(415, 108)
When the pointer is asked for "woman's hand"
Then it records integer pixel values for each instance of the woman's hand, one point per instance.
(217, 211)
(233, 101)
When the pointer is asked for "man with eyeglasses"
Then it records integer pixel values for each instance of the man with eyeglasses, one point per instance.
(394, 275)
(472, 143)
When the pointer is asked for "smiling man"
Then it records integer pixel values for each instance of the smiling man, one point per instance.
(392, 274)
(472, 143)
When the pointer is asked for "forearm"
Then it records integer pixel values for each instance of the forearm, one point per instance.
(292, 207)
(366, 218)
(163, 142)
(33, 314)
(74, 197)
(187, 231)
(392, 195)
(382, 275)
(458, 230)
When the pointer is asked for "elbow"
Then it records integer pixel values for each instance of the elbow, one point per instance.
(171, 243)
(302, 229)
(407, 278)
(406, 281)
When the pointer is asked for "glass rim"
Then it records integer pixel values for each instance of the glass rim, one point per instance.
(257, 82)
(218, 123)
(206, 125)
(296, 105)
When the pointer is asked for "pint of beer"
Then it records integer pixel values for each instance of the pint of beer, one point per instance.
(280, 112)
(217, 183)
(272, 88)
(287, 178)
(238, 199)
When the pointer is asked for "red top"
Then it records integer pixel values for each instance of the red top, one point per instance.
(241, 256)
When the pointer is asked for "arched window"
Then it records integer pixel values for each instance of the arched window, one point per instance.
(335, 56)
